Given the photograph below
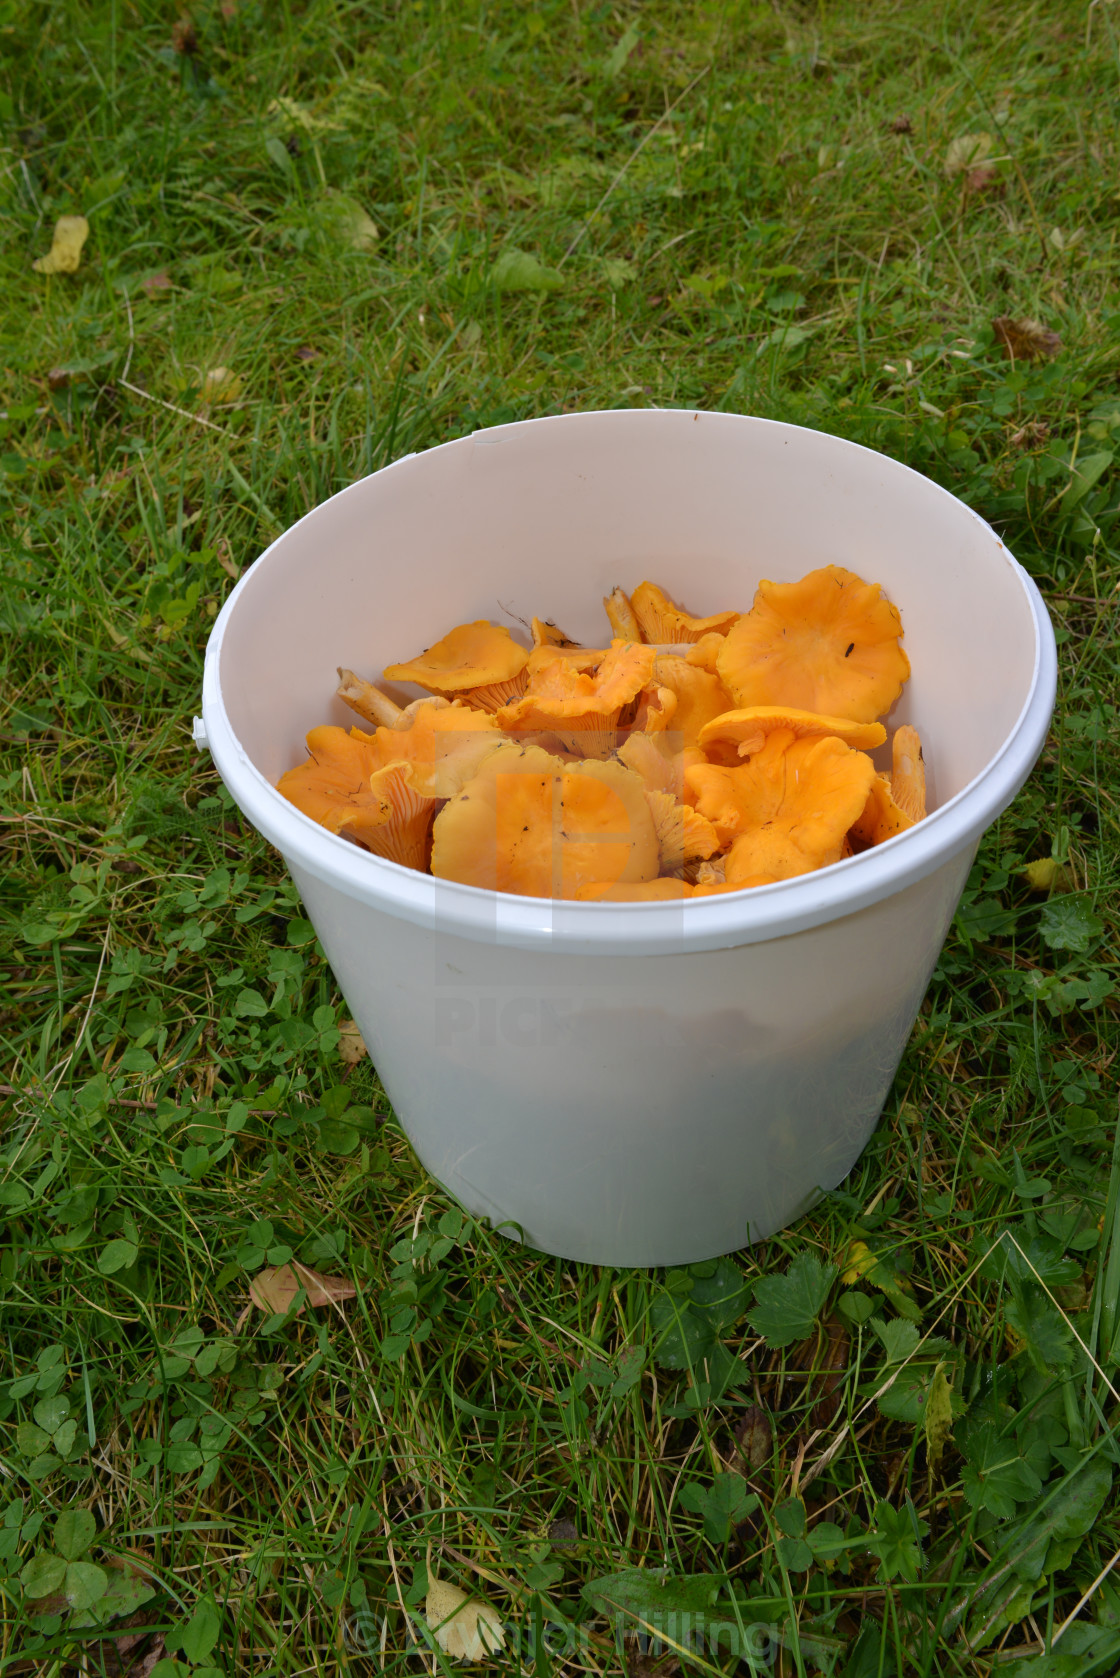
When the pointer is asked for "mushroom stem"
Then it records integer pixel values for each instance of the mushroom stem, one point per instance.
(620, 613)
(369, 702)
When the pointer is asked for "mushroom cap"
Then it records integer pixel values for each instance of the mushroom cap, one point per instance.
(744, 731)
(579, 658)
(881, 817)
(791, 804)
(548, 634)
(333, 786)
(829, 643)
(657, 708)
(706, 651)
(531, 824)
(444, 744)
(701, 697)
(646, 891)
(651, 756)
(661, 619)
(581, 708)
(470, 656)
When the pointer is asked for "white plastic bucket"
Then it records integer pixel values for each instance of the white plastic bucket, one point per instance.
(644, 1083)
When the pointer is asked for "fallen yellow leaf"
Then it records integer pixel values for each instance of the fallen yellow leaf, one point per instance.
(221, 385)
(966, 152)
(858, 1260)
(274, 1290)
(70, 234)
(1048, 875)
(466, 1627)
(351, 1043)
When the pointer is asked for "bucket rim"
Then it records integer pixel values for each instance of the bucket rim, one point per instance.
(756, 914)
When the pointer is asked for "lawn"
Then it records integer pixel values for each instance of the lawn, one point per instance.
(321, 235)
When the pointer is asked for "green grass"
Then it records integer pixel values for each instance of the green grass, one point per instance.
(750, 209)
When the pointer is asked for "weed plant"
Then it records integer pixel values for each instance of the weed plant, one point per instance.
(324, 234)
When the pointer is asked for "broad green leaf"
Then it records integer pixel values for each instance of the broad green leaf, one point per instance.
(86, 1583)
(182, 1457)
(629, 1366)
(827, 1541)
(1053, 1665)
(343, 220)
(719, 1291)
(1051, 1536)
(517, 270)
(684, 1337)
(789, 1517)
(621, 51)
(250, 1005)
(722, 1505)
(897, 1541)
(43, 1575)
(618, 272)
(647, 1595)
(786, 1307)
(899, 1337)
(116, 1255)
(995, 1476)
(337, 1137)
(31, 1439)
(1041, 1327)
(200, 1633)
(126, 1592)
(1087, 471)
(1016, 1253)
(794, 1554)
(1068, 923)
(74, 1532)
(857, 1307)
(50, 1413)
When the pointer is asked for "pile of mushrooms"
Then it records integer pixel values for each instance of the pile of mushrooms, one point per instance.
(690, 756)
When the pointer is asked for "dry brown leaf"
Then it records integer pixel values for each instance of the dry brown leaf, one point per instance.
(901, 125)
(467, 1628)
(351, 1043)
(979, 180)
(156, 283)
(966, 152)
(274, 1290)
(184, 37)
(225, 558)
(70, 234)
(1026, 340)
(306, 352)
(755, 1437)
(640, 1663)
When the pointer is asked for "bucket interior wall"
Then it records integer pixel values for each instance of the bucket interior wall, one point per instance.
(544, 519)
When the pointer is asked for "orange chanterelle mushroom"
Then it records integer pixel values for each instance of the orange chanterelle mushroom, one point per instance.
(531, 823)
(479, 663)
(829, 643)
(691, 757)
